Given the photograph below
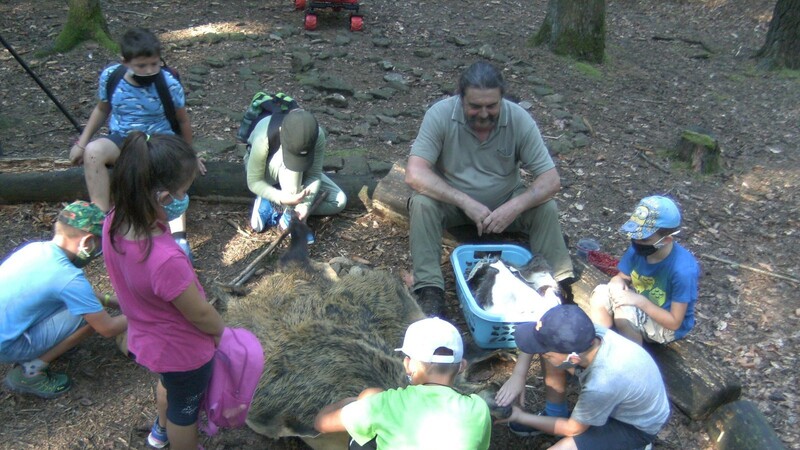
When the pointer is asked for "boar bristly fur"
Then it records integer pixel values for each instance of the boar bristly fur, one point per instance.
(324, 339)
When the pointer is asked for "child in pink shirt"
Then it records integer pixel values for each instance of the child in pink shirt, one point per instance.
(172, 329)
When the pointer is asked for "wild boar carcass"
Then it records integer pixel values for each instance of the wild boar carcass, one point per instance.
(324, 337)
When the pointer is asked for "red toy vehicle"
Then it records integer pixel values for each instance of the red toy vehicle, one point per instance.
(356, 20)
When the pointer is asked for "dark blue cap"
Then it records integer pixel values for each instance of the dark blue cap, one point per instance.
(562, 329)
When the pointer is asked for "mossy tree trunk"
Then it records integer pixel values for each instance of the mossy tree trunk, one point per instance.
(85, 21)
(782, 46)
(575, 28)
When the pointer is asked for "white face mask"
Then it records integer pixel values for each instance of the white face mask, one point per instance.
(567, 364)
(85, 253)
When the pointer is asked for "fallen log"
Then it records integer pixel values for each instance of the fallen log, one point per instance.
(741, 426)
(391, 195)
(225, 181)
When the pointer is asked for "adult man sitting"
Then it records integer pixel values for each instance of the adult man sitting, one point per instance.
(429, 414)
(464, 169)
(47, 305)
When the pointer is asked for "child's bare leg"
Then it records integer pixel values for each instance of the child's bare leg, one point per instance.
(555, 383)
(626, 328)
(182, 437)
(68, 343)
(599, 305)
(99, 154)
(161, 405)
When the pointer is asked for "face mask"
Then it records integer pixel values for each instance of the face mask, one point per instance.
(647, 250)
(567, 364)
(85, 255)
(176, 208)
(644, 250)
(145, 80)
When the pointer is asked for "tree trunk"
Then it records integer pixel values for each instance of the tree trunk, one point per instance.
(85, 21)
(782, 46)
(575, 28)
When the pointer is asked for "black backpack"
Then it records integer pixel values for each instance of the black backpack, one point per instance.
(263, 105)
(161, 86)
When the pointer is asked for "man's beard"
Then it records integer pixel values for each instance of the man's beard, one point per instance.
(478, 124)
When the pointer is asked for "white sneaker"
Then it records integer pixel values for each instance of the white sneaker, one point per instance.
(262, 212)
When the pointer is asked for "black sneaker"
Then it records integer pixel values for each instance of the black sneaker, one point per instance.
(431, 300)
(567, 297)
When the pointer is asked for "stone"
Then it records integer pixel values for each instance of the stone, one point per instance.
(302, 61)
(355, 165)
(379, 168)
(580, 140)
(381, 42)
(336, 99)
(360, 130)
(423, 53)
(212, 146)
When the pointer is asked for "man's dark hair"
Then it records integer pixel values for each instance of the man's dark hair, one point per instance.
(138, 42)
(481, 75)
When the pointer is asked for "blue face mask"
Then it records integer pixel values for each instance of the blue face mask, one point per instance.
(177, 207)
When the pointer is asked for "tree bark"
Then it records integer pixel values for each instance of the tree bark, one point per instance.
(224, 182)
(575, 28)
(741, 426)
(782, 46)
(85, 21)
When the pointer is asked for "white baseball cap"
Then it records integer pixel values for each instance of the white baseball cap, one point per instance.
(425, 336)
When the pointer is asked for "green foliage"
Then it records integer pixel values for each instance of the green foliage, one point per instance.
(789, 74)
(699, 139)
(588, 70)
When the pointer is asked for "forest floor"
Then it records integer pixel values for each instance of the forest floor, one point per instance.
(670, 65)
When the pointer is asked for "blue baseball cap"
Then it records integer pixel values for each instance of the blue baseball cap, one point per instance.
(651, 214)
(562, 329)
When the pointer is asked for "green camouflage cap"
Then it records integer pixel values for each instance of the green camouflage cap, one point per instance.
(83, 216)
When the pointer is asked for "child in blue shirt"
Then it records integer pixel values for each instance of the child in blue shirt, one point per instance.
(134, 105)
(653, 296)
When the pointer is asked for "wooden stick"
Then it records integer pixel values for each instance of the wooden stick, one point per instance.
(641, 154)
(251, 268)
(751, 268)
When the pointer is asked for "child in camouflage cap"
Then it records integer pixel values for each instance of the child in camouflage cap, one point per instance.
(48, 305)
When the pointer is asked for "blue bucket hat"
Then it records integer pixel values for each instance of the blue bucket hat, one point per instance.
(651, 214)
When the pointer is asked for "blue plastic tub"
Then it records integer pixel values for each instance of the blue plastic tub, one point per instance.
(488, 330)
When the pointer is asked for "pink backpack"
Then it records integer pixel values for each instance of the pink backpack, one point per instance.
(238, 363)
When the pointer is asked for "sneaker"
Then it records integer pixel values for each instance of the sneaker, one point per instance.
(567, 297)
(431, 300)
(286, 219)
(158, 436)
(263, 216)
(45, 385)
(184, 245)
